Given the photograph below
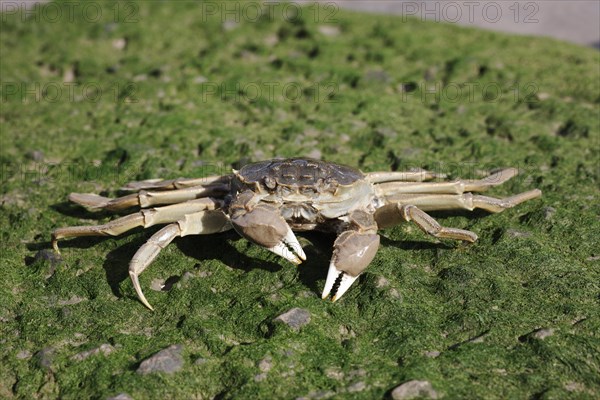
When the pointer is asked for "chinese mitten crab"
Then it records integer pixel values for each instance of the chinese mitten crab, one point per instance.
(266, 202)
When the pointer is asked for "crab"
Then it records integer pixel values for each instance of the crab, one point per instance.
(265, 202)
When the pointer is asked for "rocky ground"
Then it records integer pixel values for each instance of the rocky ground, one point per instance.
(95, 97)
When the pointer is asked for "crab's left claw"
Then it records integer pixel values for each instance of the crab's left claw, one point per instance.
(264, 226)
(352, 254)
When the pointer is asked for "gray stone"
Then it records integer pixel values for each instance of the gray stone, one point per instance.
(23, 354)
(382, 282)
(36, 155)
(543, 333)
(49, 256)
(379, 76)
(44, 357)
(414, 389)
(513, 233)
(265, 364)
(294, 318)
(105, 349)
(168, 360)
(329, 30)
(121, 396)
(549, 212)
(357, 387)
(73, 300)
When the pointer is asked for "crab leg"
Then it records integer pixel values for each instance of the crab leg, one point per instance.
(199, 223)
(179, 183)
(410, 176)
(393, 214)
(353, 251)
(455, 187)
(467, 201)
(145, 218)
(147, 199)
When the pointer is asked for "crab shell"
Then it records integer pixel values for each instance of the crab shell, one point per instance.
(310, 194)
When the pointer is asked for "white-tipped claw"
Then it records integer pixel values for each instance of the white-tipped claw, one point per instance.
(282, 250)
(292, 242)
(343, 280)
(138, 290)
(289, 248)
(345, 284)
(332, 276)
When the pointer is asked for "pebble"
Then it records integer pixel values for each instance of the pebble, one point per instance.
(229, 25)
(36, 155)
(48, 256)
(549, 212)
(73, 300)
(432, 354)
(574, 387)
(105, 349)
(357, 387)
(121, 396)
(317, 395)
(329, 30)
(44, 357)
(23, 354)
(376, 76)
(157, 284)
(294, 318)
(119, 43)
(334, 373)
(200, 361)
(265, 364)
(414, 389)
(168, 360)
(316, 154)
(382, 282)
(543, 333)
(513, 233)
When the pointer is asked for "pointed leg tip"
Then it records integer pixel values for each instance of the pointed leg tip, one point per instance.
(138, 290)
(55, 246)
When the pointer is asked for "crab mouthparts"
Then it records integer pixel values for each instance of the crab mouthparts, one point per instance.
(337, 283)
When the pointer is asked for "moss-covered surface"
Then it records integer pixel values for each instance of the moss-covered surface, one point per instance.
(516, 315)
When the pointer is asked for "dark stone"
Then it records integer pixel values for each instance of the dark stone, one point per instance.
(294, 318)
(168, 360)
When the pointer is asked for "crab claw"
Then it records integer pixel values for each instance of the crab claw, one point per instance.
(353, 252)
(264, 226)
(289, 248)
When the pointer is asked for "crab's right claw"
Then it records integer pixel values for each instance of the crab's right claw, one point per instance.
(264, 226)
(352, 254)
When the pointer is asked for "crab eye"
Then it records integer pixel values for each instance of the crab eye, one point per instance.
(307, 190)
(270, 182)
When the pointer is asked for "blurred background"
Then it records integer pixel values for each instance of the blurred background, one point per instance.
(576, 21)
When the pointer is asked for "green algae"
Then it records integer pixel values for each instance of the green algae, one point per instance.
(150, 89)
